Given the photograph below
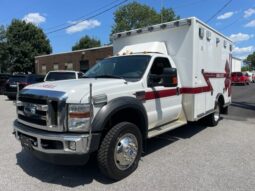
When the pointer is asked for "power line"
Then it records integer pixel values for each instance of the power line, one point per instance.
(223, 7)
(81, 17)
(95, 15)
(235, 21)
(188, 4)
(229, 25)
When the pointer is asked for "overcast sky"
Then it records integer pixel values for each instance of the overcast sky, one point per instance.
(237, 20)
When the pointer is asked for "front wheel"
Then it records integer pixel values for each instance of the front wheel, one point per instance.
(120, 151)
(214, 118)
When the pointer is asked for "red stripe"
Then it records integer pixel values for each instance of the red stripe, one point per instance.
(185, 90)
(196, 90)
(160, 94)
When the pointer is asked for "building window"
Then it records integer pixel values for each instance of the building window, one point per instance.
(44, 69)
(69, 66)
(84, 65)
(55, 66)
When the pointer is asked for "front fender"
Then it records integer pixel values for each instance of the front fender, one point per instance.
(112, 108)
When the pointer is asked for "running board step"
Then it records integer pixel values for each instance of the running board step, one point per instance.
(164, 128)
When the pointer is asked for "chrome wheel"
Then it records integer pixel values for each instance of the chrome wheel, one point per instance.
(125, 152)
(217, 113)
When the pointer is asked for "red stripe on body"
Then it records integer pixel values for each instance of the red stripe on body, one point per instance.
(186, 90)
(197, 90)
(160, 94)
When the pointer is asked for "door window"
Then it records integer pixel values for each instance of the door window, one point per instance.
(157, 70)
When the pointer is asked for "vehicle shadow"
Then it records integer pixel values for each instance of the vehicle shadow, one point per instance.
(184, 132)
(68, 176)
(73, 176)
(243, 105)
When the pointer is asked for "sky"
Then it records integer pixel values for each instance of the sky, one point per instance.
(236, 20)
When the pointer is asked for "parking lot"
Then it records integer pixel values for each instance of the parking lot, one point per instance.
(193, 157)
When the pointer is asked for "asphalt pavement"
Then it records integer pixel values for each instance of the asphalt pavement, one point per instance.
(192, 157)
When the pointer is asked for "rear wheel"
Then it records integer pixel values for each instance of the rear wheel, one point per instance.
(224, 110)
(214, 118)
(120, 151)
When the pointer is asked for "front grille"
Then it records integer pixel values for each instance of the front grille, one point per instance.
(33, 100)
(11, 89)
(42, 112)
(32, 120)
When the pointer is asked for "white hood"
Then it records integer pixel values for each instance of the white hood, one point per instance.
(78, 90)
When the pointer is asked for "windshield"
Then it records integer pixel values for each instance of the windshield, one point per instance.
(130, 68)
(54, 76)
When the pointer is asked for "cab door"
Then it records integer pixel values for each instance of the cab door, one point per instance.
(163, 104)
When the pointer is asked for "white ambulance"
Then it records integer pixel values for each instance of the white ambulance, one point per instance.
(161, 77)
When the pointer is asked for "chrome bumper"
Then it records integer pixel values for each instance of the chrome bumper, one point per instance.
(79, 142)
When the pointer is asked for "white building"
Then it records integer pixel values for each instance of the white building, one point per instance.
(236, 64)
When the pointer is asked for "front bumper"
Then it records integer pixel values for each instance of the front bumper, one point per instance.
(56, 145)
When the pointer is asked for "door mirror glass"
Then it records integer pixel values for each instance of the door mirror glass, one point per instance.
(167, 79)
(170, 77)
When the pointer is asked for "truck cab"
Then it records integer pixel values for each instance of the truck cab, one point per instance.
(160, 78)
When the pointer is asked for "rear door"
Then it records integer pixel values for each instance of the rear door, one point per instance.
(163, 104)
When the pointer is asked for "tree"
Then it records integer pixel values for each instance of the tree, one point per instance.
(86, 42)
(167, 15)
(25, 41)
(135, 15)
(251, 58)
(3, 50)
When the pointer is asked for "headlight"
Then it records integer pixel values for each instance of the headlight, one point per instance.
(78, 117)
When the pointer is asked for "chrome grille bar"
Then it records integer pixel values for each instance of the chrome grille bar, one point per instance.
(42, 109)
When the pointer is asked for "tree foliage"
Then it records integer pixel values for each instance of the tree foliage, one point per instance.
(25, 41)
(251, 58)
(135, 15)
(86, 42)
(3, 50)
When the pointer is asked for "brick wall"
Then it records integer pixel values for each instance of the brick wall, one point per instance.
(63, 60)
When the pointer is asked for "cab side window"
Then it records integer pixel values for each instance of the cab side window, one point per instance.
(157, 70)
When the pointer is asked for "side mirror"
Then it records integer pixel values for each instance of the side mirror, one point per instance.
(170, 77)
(167, 79)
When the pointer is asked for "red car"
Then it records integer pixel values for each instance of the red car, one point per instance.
(239, 78)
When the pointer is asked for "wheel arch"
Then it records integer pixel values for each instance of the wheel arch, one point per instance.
(118, 110)
(221, 100)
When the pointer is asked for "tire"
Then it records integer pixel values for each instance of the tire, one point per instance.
(113, 164)
(214, 118)
(224, 110)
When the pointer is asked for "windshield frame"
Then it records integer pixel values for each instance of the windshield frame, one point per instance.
(114, 76)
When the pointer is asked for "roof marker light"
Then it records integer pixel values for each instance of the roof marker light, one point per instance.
(150, 29)
(139, 31)
(176, 23)
(163, 26)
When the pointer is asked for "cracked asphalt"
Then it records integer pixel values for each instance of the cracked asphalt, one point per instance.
(192, 157)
